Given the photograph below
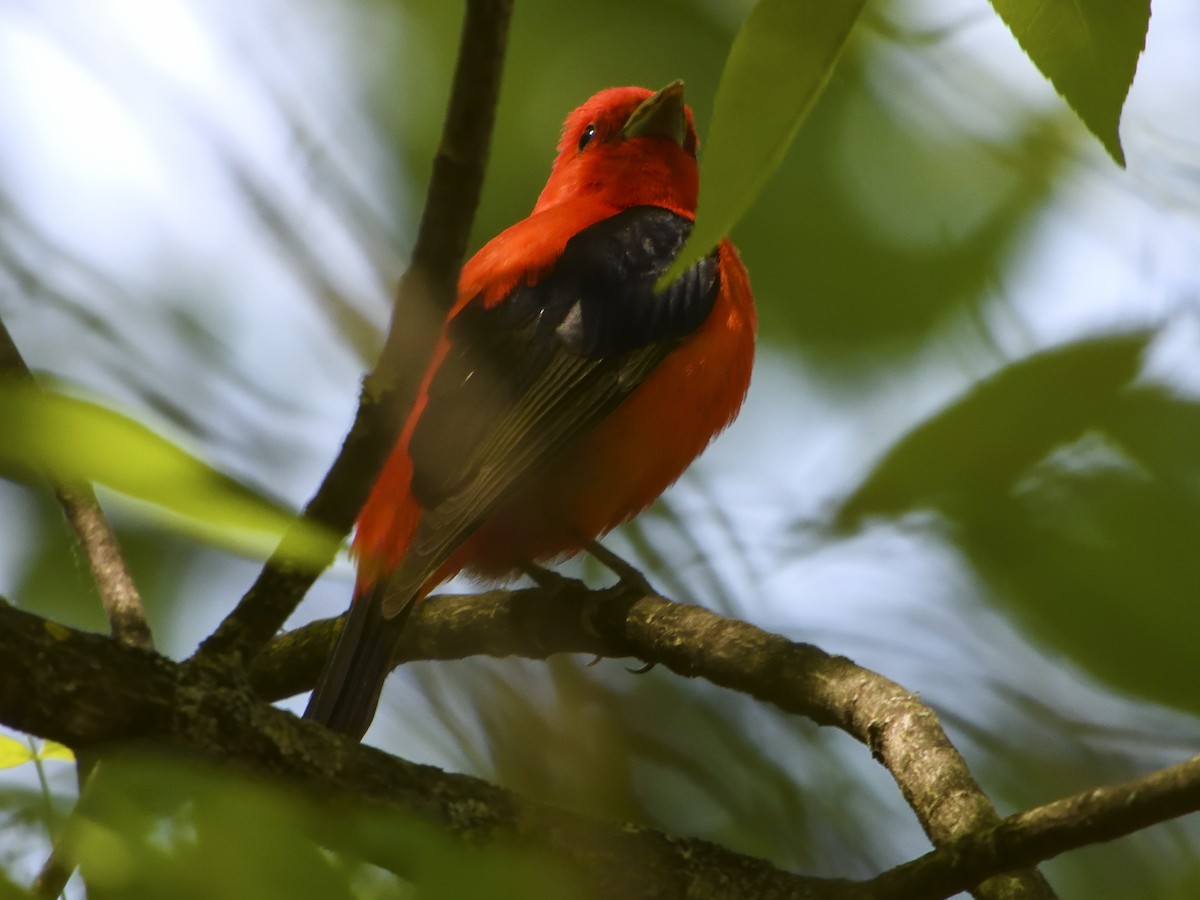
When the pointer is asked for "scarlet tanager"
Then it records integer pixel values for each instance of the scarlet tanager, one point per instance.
(564, 394)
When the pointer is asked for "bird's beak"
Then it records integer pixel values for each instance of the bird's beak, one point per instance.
(659, 115)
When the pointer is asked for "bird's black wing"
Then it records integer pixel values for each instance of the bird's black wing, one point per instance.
(526, 377)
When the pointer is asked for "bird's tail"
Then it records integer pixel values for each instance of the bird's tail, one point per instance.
(347, 693)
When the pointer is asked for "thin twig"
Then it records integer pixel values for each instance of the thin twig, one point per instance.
(425, 292)
(60, 865)
(1035, 835)
(58, 868)
(122, 602)
(96, 539)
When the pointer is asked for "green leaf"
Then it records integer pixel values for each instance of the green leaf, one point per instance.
(971, 452)
(10, 891)
(156, 827)
(14, 753)
(1088, 49)
(780, 62)
(48, 435)
(55, 750)
(1094, 551)
(1073, 489)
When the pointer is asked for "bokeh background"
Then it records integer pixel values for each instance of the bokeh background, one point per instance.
(970, 458)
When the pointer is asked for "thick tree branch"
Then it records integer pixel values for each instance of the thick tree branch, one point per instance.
(91, 693)
(901, 732)
(425, 292)
(97, 540)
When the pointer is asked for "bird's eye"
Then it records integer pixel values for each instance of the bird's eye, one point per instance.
(586, 137)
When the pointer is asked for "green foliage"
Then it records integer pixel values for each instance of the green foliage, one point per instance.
(152, 827)
(17, 753)
(780, 62)
(882, 224)
(1089, 50)
(973, 451)
(66, 439)
(1094, 549)
(10, 891)
(785, 54)
(1078, 496)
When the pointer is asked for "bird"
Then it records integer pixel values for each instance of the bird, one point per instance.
(566, 391)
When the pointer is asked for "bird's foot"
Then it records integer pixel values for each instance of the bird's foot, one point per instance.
(628, 576)
(629, 579)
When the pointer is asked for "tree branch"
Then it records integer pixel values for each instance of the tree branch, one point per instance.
(425, 292)
(1092, 817)
(120, 596)
(118, 593)
(92, 694)
(901, 732)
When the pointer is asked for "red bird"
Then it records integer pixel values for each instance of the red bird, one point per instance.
(564, 394)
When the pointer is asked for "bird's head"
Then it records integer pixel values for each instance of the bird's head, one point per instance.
(627, 146)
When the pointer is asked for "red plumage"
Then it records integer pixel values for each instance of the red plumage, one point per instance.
(627, 386)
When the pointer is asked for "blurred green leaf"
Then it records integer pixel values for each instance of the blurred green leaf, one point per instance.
(55, 750)
(152, 827)
(14, 753)
(903, 221)
(1095, 550)
(10, 891)
(1089, 50)
(66, 439)
(780, 63)
(1076, 494)
(976, 447)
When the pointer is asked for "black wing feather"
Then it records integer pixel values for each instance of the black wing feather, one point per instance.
(526, 377)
